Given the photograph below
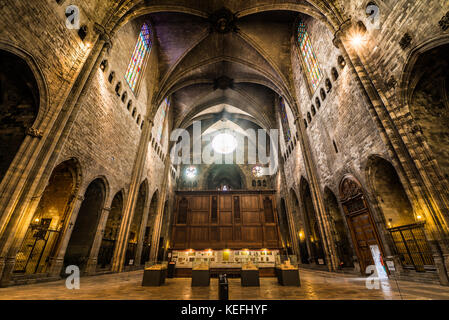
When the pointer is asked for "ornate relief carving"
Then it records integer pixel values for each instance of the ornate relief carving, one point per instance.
(444, 22)
(349, 189)
(405, 42)
(223, 21)
(34, 133)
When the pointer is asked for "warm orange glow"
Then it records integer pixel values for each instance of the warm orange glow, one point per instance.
(301, 235)
(419, 217)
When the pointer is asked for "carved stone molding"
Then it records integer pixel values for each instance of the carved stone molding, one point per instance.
(104, 35)
(405, 41)
(340, 32)
(32, 132)
(391, 83)
(223, 21)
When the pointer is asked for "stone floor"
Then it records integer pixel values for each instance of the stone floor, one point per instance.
(315, 285)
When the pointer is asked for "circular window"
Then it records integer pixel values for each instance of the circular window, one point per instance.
(257, 171)
(224, 143)
(191, 172)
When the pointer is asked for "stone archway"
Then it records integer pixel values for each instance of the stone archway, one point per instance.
(285, 227)
(46, 231)
(149, 229)
(165, 233)
(111, 232)
(428, 98)
(83, 235)
(19, 106)
(133, 251)
(313, 233)
(405, 226)
(339, 229)
(390, 193)
(300, 229)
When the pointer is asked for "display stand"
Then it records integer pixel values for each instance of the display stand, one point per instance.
(249, 275)
(171, 270)
(201, 275)
(288, 273)
(154, 276)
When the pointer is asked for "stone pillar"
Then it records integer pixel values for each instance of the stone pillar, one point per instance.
(130, 204)
(91, 267)
(143, 225)
(57, 262)
(160, 213)
(317, 197)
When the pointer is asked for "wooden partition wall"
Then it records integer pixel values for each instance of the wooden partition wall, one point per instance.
(225, 220)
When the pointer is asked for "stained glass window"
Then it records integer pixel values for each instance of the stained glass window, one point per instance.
(142, 50)
(313, 70)
(284, 118)
(257, 171)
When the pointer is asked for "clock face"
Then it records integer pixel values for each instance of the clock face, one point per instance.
(257, 171)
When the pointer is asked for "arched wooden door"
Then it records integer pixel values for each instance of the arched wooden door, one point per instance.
(363, 230)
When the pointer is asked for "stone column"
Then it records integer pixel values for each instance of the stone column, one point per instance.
(91, 267)
(130, 204)
(317, 197)
(141, 235)
(160, 213)
(57, 262)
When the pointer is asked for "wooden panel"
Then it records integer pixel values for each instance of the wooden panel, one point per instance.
(250, 202)
(214, 234)
(180, 237)
(252, 234)
(225, 233)
(240, 221)
(270, 234)
(199, 234)
(237, 233)
(226, 203)
(252, 217)
(199, 203)
(225, 217)
(199, 217)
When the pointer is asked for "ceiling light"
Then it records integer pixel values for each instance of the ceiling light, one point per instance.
(224, 143)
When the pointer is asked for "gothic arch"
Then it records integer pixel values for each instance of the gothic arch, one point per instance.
(50, 220)
(23, 104)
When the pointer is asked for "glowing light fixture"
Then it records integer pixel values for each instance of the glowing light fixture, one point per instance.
(257, 171)
(191, 172)
(224, 143)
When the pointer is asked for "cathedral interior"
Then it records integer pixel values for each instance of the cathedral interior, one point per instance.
(182, 135)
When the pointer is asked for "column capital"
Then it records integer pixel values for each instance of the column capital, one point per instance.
(342, 29)
(104, 35)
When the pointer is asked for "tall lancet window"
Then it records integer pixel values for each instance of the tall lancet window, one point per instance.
(284, 119)
(139, 58)
(311, 66)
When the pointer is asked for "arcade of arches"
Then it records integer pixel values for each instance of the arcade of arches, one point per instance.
(303, 129)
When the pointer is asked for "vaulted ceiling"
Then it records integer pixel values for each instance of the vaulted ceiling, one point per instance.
(225, 52)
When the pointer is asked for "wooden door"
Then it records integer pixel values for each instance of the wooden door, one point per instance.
(360, 222)
(364, 236)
